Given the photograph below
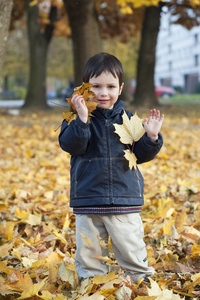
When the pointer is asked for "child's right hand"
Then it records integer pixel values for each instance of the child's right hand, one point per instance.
(81, 108)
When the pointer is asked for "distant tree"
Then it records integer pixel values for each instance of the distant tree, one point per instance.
(5, 12)
(39, 39)
(15, 64)
(86, 35)
(186, 13)
(44, 19)
(145, 93)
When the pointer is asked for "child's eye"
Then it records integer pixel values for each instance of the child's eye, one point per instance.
(95, 86)
(111, 86)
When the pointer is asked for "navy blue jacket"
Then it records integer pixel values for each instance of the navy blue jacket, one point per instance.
(100, 174)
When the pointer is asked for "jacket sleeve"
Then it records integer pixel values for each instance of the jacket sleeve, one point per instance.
(74, 137)
(145, 149)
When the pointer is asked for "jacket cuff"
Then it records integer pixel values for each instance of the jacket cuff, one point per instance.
(152, 143)
(81, 124)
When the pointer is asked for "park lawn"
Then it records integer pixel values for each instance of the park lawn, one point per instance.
(37, 232)
(181, 99)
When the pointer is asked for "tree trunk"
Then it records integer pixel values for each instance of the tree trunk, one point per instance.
(5, 12)
(85, 33)
(145, 92)
(38, 47)
(6, 83)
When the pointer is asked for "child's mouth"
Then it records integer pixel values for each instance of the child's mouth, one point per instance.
(103, 101)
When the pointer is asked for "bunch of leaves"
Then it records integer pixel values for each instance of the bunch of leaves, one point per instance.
(130, 132)
(86, 93)
(37, 226)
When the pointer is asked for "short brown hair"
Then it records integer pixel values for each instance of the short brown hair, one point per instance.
(103, 62)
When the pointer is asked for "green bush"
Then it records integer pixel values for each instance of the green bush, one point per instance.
(178, 89)
(197, 88)
(20, 91)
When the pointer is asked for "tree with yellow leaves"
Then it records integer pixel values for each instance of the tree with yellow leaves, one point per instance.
(145, 94)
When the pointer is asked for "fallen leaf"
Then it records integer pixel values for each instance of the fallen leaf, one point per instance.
(86, 239)
(67, 275)
(33, 290)
(161, 294)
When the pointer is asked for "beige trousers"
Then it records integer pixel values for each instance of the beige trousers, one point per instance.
(126, 233)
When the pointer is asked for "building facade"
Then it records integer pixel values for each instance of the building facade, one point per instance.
(178, 56)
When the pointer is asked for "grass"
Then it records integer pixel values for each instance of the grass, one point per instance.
(181, 99)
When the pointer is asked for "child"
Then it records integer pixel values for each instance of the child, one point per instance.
(106, 195)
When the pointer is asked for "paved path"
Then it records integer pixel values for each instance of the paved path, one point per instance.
(19, 103)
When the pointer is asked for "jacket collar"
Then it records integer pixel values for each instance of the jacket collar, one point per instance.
(107, 113)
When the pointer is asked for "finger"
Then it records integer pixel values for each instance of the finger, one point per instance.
(158, 114)
(151, 117)
(162, 118)
(154, 114)
(145, 121)
(151, 112)
(76, 100)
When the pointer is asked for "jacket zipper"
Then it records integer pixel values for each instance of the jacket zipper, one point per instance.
(109, 160)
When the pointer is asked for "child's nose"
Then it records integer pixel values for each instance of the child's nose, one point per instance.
(104, 92)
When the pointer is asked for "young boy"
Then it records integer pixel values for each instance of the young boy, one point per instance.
(106, 195)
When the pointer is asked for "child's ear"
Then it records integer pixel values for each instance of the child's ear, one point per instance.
(121, 88)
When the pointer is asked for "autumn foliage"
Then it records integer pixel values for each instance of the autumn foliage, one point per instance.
(87, 94)
(37, 226)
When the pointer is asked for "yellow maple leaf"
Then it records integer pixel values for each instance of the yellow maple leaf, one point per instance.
(102, 243)
(33, 290)
(195, 251)
(4, 250)
(130, 156)
(33, 3)
(86, 239)
(161, 294)
(19, 282)
(93, 297)
(54, 258)
(83, 90)
(105, 258)
(110, 287)
(8, 230)
(45, 295)
(195, 277)
(131, 130)
(67, 221)
(58, 235)
(99, 279)
(67, 275)
(70, 116)
(167, 229)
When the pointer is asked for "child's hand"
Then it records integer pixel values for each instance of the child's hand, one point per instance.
(81, 108)
(152, 125)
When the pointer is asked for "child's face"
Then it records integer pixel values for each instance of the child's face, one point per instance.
(106, 88)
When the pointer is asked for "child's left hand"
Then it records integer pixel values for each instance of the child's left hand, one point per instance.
(152, 125)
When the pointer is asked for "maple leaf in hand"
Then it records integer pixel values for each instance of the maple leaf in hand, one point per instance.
(83, 90)
(130, 132)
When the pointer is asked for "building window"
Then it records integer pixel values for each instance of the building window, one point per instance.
(196, 38)
(196, 60)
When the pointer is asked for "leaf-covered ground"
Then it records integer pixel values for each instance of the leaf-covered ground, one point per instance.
(37, 227)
